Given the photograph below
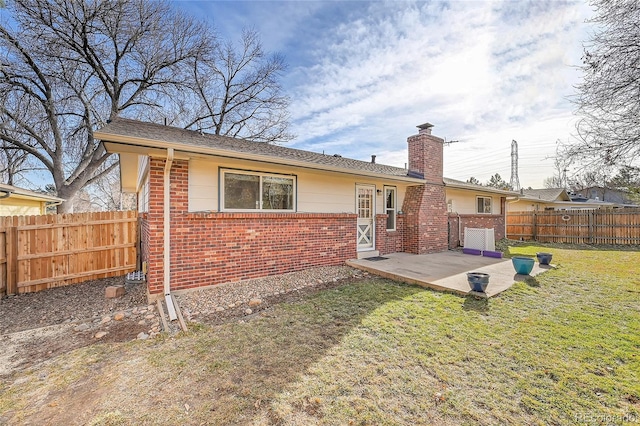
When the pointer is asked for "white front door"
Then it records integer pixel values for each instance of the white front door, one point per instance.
(365, 205)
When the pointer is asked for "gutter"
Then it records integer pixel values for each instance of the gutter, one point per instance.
(167, 235)
(7, 193)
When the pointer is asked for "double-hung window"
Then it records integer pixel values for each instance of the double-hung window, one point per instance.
(257, 191)
(390, 207)
(483, 205)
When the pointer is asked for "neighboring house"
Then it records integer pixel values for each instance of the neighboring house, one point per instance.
(216, 209)
(16, 201)
(475, 206)
(554, 199)
(608, 195)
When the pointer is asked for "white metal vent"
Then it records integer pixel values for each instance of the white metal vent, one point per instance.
(479, 239)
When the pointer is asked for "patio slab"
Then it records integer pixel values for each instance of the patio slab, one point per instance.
(446, 271)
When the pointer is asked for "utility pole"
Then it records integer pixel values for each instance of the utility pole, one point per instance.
(515, 182)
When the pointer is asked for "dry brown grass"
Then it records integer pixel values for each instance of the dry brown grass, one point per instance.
(372, 352)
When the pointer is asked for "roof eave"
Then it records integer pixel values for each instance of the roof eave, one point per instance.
(32, 196)
(121, 140)
(482, 189)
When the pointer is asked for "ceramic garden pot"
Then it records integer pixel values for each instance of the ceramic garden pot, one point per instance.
(523, 265)
(544, 258)
(478, 281)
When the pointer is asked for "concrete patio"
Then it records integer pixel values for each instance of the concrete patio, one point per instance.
(446, 271)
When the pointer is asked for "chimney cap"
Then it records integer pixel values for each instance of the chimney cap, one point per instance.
(425, 128)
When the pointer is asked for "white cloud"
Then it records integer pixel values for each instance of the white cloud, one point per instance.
(482, 72)
(363, 74)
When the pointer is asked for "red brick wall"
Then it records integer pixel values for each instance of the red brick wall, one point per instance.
(425, 206)
(212, 248)
(425, 219)
(425, 156)
(389, 241)
(497, 222)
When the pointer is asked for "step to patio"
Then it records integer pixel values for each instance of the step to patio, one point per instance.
(368, 253)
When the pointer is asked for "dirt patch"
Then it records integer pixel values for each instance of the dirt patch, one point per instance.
(35, 327)
(66, 304)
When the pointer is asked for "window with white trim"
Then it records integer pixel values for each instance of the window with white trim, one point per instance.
(247, 191)
(390, 207)
(483, 205)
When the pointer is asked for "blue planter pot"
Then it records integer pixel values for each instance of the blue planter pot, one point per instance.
(478, 281)
(544, 258)
(522, 265)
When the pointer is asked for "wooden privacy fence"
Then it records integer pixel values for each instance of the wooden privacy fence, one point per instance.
(41, 252)
(620, 226)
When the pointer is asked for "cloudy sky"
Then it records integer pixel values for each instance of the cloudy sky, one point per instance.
(362, 75)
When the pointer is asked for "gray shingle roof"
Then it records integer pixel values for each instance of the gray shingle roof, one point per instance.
(187, 140)
(454, 183)
(547, 194)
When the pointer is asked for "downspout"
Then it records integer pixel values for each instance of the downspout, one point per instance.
(167, 235)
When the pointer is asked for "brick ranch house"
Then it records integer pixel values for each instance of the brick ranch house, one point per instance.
(216, 209)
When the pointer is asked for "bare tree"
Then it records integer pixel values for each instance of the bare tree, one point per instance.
(608, 98)
(70, 65)
(237, 92)
(592, 177)
(13, 162)
(554, 181)
(562, 165)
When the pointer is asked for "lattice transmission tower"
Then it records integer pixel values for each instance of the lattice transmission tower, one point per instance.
(515, 182)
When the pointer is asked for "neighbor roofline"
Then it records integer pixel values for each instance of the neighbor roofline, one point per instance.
(122, 140)
(16, 192)
(480, 188)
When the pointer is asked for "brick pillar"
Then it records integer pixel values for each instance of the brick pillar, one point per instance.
(155, 217)
(425, 205)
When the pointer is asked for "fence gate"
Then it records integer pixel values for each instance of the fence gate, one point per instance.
(41, 252)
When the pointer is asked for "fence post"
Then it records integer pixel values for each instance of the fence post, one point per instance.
(591, 227)
(534, 230)
(12, 260)
(139, 244)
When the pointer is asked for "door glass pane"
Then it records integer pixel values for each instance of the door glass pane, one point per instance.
(365, 197)
(390, 203)
(391, 198)
(241, 191)
(277, 193)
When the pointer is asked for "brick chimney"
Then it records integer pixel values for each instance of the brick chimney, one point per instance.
(425, 154)
(424, 205)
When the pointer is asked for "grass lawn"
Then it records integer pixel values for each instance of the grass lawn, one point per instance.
(563, 348)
